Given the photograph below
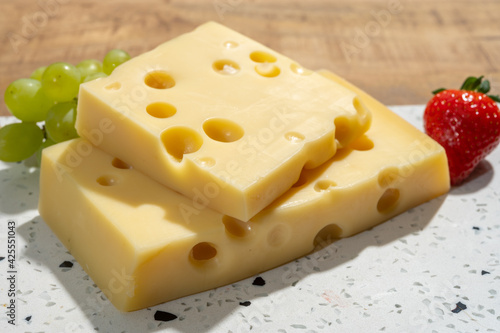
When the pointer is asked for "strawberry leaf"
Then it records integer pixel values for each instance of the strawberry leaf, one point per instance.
(477, 84)
(496, 98)
(471, 83)
(484, 87)
(437, 91)
(468, 83)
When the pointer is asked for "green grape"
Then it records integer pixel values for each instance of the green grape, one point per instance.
(113, 59)
(61, 81)
(60, 122)
(26, 100)
(88, 67)
(37, 73)
(47, 143)
(94, 76)
(19, 141)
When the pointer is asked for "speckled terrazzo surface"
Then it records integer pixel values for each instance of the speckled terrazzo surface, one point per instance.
(434, 268)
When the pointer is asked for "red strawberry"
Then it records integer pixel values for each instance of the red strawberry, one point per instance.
(466, 123)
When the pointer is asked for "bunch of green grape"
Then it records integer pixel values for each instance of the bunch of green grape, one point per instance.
(46, 105)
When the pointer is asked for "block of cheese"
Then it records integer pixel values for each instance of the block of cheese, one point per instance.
(144, 244)
(213, 109)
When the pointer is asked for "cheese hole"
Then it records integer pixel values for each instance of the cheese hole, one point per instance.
(261, 56)
(297, 69)
(267, 70)
(278, 236)
(222, 130)
(203, 251)
(362, 144)
(207, 162)
(119, 164)
(388, 200)
(388, 177)
(159, 80)
(342, 130)
(301, 181)
(294, 137)
(106, 180)
(326, 236)
(236, 227)
(181, 140)
(324, 185)
(113, 86)
(226, 67)
(161, 110)
(230, 44)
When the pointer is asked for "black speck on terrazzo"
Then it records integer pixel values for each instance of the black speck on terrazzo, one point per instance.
(245, 303)
(460, 306)
(259, 281)
(164, 316)
(66, 264)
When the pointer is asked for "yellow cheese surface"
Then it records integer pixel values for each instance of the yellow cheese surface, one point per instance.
(135, 239)
(215, 110)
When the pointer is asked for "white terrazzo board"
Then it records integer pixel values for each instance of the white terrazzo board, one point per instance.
(405, 275)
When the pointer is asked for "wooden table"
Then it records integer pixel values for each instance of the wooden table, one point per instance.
(397, 50)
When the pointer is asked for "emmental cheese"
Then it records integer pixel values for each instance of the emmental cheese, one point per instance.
(220, 118)
(128, 233)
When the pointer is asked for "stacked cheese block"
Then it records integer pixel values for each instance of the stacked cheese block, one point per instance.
(213, 149)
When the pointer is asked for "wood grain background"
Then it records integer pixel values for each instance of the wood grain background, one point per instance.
(397, 50)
